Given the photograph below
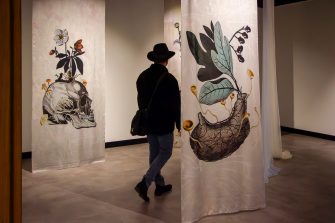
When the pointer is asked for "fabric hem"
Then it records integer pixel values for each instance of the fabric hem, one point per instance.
(218, 212)
(70, 165)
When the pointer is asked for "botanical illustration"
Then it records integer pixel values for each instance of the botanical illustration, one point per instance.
(214, 141)
(66, 99)
(178, 40)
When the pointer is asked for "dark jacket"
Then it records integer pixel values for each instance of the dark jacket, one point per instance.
(165, 107)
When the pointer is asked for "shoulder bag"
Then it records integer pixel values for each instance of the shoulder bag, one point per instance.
(139, 124)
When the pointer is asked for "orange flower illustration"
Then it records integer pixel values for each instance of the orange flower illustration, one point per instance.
(84, 82)
(78, 46)
(48, 81)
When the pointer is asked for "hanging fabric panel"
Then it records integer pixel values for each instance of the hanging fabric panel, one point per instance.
(270, 109)
(270, 118)
(68, 76)
(222, 156)
(172, 35)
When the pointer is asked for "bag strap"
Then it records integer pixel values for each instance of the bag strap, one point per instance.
(155, 89)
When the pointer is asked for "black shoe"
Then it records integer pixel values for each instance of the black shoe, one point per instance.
(142, 190)
(160, 190)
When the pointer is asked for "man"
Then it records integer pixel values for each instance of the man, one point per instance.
(163, 115)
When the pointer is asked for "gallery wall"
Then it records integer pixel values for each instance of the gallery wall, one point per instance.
(305, 65)
(132, 28)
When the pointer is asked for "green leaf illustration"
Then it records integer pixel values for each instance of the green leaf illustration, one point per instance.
(62, 62)
(222, 59)
(80, 64)
(209, 71)
(196, 50)
(74, 67)
(214, 91)
(66, 66)
(61, 55)
(209, 32)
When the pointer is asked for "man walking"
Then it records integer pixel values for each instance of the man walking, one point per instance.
(163, 115)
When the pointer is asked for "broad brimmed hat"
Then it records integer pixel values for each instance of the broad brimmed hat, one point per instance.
(160, 53)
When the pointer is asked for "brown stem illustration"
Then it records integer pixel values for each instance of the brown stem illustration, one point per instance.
(258, 119)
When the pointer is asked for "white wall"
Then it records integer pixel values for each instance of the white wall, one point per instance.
(26, 74)
(306, 65)
(132, 28)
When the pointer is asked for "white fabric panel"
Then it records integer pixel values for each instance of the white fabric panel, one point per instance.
(270, 108)
(222, 156)
(172, 34)
(77, 103)
(270, 111)
(172, 38)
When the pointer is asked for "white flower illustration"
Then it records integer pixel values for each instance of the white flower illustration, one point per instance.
(61, 36)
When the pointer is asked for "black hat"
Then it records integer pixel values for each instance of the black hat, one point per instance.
(160, 53)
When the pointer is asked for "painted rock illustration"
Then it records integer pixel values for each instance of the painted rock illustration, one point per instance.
(215, 141)
(66, 102)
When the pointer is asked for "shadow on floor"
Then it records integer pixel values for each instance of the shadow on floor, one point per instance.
(27, 165)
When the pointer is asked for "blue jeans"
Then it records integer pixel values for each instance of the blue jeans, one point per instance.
(160, 148)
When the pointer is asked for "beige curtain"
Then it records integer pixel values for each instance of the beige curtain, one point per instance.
(222, 155)
(270, 108)
(68, 75)
(172, 32)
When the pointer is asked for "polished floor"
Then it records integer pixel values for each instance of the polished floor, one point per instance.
(303, 192)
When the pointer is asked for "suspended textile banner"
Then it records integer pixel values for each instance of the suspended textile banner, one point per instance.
(68, 76)
(222, 156)
(172, 35)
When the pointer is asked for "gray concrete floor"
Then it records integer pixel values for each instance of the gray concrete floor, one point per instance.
(303, 192)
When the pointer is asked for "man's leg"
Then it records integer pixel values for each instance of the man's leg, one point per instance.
(153, 152)
(142, 186)
(165, 143)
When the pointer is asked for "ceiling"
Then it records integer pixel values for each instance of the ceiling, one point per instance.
(279, 2)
